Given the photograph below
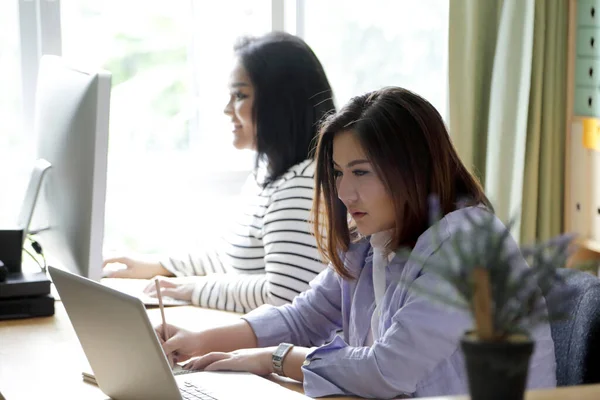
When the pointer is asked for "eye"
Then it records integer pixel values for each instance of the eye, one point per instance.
(337, 173)
(360, 172)
(239, 95)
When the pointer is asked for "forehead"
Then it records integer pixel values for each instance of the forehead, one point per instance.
(238, 73)
(346, 148)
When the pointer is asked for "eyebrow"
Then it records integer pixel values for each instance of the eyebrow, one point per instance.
(354, 162)
(239, 84)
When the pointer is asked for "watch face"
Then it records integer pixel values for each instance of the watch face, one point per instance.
(281, 350)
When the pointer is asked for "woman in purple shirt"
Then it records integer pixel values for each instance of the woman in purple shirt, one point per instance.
(378, 161)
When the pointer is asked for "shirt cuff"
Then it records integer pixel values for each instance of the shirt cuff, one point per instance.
(337, 362)
(315, 385)
(317, 354)
(269, 325)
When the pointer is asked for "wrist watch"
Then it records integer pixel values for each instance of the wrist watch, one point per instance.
(278, 356)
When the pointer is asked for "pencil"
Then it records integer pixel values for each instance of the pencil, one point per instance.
(165, 332)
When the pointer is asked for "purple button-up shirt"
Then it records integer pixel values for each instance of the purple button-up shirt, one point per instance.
(417, 352)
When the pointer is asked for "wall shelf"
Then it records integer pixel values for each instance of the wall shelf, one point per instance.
(582, 158)
(589, 244)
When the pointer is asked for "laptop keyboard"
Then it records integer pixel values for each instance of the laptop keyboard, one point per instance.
(190, 391)
(182, 371)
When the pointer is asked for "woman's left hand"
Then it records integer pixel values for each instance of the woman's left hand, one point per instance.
(256, 361)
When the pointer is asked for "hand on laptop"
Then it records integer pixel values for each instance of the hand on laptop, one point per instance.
(183, 344)
(176, 288)
(134, 268)
(256, 361)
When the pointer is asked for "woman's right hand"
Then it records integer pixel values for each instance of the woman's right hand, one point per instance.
(182, 344)
(134, 269)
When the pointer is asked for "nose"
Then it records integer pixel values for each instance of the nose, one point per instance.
(346, 190)
(228, 110)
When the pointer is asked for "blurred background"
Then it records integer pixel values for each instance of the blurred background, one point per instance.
(172, 169)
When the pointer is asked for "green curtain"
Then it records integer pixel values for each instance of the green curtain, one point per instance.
(500, 103)
(543, 188)
(473, 30)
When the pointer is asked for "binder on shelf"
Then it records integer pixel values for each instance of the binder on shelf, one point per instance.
(591, 133)
(579, 183)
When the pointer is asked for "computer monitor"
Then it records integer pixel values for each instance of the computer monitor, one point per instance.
(71, 128)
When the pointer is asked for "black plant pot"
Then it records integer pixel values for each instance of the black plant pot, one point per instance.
(497, 370)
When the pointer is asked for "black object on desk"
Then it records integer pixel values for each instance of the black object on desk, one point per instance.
(22, 295)
(26, 307)
(3, 272)
(19, 284)
(11, 248)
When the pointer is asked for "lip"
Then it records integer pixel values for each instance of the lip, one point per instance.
(237, 127)
(357, 214)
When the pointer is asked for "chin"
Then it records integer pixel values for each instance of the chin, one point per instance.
(241, 144)
(369, 229)
(365, 231)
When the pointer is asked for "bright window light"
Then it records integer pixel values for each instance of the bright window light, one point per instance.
(173, 171)
(15, 145)
(367, 45)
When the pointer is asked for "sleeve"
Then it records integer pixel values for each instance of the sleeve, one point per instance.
(217, 285)
(422, 334)
(198, 264)
(312, 318)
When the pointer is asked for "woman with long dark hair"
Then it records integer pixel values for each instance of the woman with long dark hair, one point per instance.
(278, 95)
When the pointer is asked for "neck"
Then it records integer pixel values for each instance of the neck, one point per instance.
(381, 240)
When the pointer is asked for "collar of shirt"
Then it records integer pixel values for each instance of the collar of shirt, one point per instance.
(380, 242)
(382, 256)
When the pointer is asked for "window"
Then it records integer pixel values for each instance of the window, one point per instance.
(173, 172)
(365, 46)
(172, 169)
(14, 145)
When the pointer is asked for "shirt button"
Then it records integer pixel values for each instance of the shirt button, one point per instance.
(306, 362)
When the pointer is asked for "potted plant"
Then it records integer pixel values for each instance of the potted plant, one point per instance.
(505, 303)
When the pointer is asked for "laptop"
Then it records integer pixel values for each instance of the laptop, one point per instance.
(126, 356)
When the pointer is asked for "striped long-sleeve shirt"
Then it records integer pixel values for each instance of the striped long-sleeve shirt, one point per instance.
(269, 255)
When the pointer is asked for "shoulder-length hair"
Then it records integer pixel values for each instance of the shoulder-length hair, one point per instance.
(406, 141)
(292, 96)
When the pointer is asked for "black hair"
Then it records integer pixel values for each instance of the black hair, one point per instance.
(292, 95)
